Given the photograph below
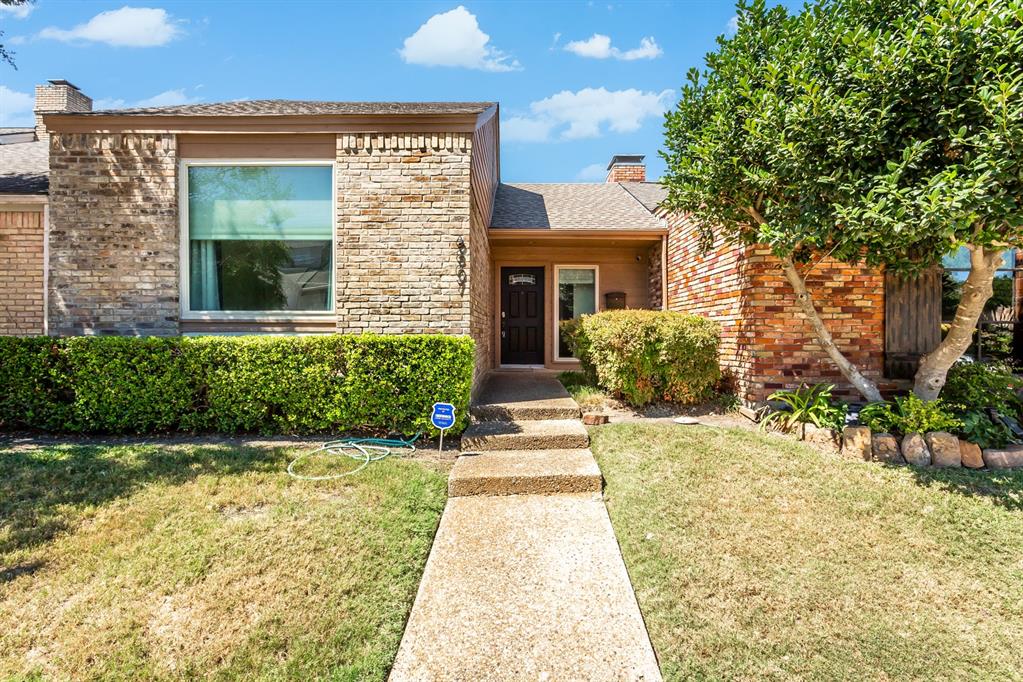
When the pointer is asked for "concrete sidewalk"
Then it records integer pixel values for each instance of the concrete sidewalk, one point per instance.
(525, 580)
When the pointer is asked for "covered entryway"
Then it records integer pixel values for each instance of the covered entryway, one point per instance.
(522, 316)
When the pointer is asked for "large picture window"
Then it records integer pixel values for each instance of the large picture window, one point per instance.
(577, 295)
(260, 238)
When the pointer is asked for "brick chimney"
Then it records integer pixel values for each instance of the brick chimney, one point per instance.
(626, 168)
(58, 96)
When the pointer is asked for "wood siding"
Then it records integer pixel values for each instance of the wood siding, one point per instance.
(257, 147)
(912, 321)
(484, 175)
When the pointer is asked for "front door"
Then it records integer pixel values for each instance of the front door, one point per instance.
(521, 316)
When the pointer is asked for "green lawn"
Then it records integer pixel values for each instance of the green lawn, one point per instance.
(147, 562)
(755, 557)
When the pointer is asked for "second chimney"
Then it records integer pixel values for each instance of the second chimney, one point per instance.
(626, 168)
(56, 97)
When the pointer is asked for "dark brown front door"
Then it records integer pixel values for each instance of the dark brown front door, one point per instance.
(521, 316)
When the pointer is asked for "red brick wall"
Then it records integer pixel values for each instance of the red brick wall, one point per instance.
(765, 341)
(21, 273)
(627, 173)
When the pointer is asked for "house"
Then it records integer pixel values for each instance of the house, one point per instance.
(280, 216)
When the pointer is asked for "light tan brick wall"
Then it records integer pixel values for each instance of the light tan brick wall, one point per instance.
(766, 343)
(21, 272)
(402, 207)
(113, 234)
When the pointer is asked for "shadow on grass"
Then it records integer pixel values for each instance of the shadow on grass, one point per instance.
(37, 485)
(1003, 488)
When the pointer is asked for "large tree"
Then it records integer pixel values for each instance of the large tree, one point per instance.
(888, 132)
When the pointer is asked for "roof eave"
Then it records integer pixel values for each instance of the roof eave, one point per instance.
(269, 123)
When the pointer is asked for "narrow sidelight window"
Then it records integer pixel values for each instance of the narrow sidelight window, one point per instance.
(260, 238)
(577, 295)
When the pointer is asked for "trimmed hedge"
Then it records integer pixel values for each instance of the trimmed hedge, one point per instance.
(263, 384)
(646, 355)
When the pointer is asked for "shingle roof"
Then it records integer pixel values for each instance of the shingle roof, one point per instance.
(570, 206)
(284, 107)
(650, 194)
(24, 168)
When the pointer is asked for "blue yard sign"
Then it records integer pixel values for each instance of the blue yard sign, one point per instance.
(443, 418)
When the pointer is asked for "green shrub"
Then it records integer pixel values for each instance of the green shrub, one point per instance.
(909, 414)
(976, 385)
(233, 384)
(980, 429)
(807, 405)
(646, 355)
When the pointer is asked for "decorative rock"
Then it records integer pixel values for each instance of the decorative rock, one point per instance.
(944, 449)
(592, 419)
(818, 436)
(969, 455)
(914, 450)
(886, 449)
(856, 442)
(1004, 458)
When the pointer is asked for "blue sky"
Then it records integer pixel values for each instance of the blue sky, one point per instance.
(577, 81)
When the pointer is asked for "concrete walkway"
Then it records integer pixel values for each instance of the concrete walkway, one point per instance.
(525, 580)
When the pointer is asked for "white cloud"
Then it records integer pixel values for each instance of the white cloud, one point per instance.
(125, 27)
(454, 38)
(595, 172)
(15, 108)
(526, 129)
(167, 98)
(586, 113)
(732, 27)
(598, 46)
(17, 11)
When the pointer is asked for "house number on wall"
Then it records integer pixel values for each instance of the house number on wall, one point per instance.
(522, 279)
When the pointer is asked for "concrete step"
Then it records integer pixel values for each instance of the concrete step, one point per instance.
(527, 410)
(511, 396)
(544, 434)
(525, 472)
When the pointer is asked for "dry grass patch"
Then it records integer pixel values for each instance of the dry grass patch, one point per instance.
(754, 557)
(141, 562)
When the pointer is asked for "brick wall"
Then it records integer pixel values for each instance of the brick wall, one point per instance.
(113, 234)
(21, 272)
(403, 204)
(766, 343)
(627, 173)
(57, 97)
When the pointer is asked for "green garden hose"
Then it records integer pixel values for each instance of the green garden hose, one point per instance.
(364, 450)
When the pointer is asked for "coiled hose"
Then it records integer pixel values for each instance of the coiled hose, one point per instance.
(363, 450)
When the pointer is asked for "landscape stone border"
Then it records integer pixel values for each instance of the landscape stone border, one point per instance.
(938, 449)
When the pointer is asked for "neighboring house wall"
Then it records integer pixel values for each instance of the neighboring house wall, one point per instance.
(484, 172)
(113, 234)
(766, 343)
(402, 205)
(21, 270)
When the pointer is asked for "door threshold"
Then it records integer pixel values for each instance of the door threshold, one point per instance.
(521, 367)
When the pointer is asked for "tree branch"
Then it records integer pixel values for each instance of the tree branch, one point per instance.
(865, 386)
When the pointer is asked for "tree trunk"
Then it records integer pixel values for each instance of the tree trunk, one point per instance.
(977, 289)
(865, 386)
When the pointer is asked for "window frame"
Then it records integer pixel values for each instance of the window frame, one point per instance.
(556, 304)
(184, 266)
